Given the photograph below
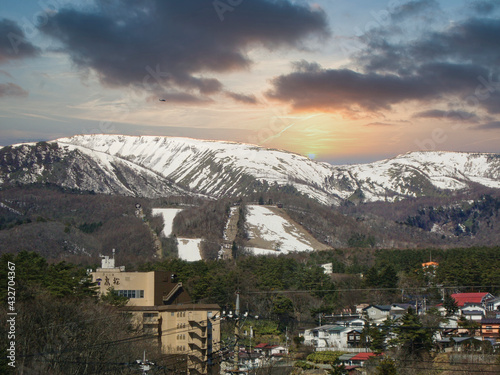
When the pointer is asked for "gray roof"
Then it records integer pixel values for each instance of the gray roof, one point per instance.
(458, 340)
(380, 307)
(346, 357)
(490, 321)
(473, 312)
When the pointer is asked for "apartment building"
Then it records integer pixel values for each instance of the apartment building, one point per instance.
(160, 305)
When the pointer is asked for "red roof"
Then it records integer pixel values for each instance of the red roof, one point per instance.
(363, 356)
(261, 345)
(463, 298)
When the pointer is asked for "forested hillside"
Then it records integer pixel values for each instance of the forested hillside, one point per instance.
(73, 225)
(362, 275)
(62, 224)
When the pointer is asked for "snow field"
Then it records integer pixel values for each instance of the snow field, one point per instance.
(189, 248)
(265, 224)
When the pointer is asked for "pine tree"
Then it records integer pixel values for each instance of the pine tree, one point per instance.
(411, 336)
(450, 304)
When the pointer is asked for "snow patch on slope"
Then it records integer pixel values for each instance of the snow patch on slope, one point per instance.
(281, 234)
(168, 215)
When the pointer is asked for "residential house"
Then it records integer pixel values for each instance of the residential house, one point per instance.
(459, 344)
(399, 309)
(271, 350)
(377, 313)
(278, 351)
(490, 328)
(353, 323)
(493, 304)
(327, 337)
(354, 338)
(360, 358)
(160, 306)
(361, 307)
(473, 312)
(250, 361)
(480, 299)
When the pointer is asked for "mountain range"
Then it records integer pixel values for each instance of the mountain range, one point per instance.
(151, 166)
(78, 196)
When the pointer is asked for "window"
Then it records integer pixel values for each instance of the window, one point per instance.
(489, 328)
(131, 293)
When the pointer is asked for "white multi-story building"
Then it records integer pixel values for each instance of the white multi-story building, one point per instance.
(332, 337)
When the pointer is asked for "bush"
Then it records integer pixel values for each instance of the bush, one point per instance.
(324, 357)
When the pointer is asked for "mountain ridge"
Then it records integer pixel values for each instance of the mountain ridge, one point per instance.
(154, 166)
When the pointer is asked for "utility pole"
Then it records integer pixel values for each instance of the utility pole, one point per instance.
(144, 364)
(237, 335)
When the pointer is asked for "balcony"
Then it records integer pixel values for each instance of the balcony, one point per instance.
(195, 340)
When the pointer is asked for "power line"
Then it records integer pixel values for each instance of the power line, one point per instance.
(370, 289)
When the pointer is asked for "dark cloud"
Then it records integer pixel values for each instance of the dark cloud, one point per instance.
(484, 7)
(494, 125)
(475, 39)
(11, 89)
(447, 115)
(164, 44)
(243, 98)
(413, 8)
(446, 66)
(13, 43)
(470, 41)
(491, 99)
(334, 89)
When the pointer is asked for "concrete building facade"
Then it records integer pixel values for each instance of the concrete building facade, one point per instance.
(161, 307)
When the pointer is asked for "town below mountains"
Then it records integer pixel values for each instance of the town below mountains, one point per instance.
(265, 261)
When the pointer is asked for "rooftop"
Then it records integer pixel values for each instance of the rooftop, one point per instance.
(463, 298)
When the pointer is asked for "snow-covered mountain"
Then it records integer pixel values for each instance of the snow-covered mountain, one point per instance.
(157, 166)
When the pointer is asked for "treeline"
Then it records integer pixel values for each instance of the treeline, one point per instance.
(360, 276)
(60, 326)
(61, 224)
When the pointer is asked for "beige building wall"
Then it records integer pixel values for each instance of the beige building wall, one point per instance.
(143, 288)
(162, 308)
(190, 330)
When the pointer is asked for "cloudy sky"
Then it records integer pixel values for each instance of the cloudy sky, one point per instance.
(338, 80)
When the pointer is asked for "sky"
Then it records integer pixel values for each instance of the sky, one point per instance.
(345, 81)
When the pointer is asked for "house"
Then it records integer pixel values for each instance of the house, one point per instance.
(493, 304)
(259, 348)
(399, 309)
(327, 337)
(353, 323)
(377, 313)
(346, 358)
(473, 312)
(161, 307)
(250, 361)
(360, 358)
(490, 328)
(480, 299)
(458, 344)
(271, 350)
(354, 338)
(361, 307)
